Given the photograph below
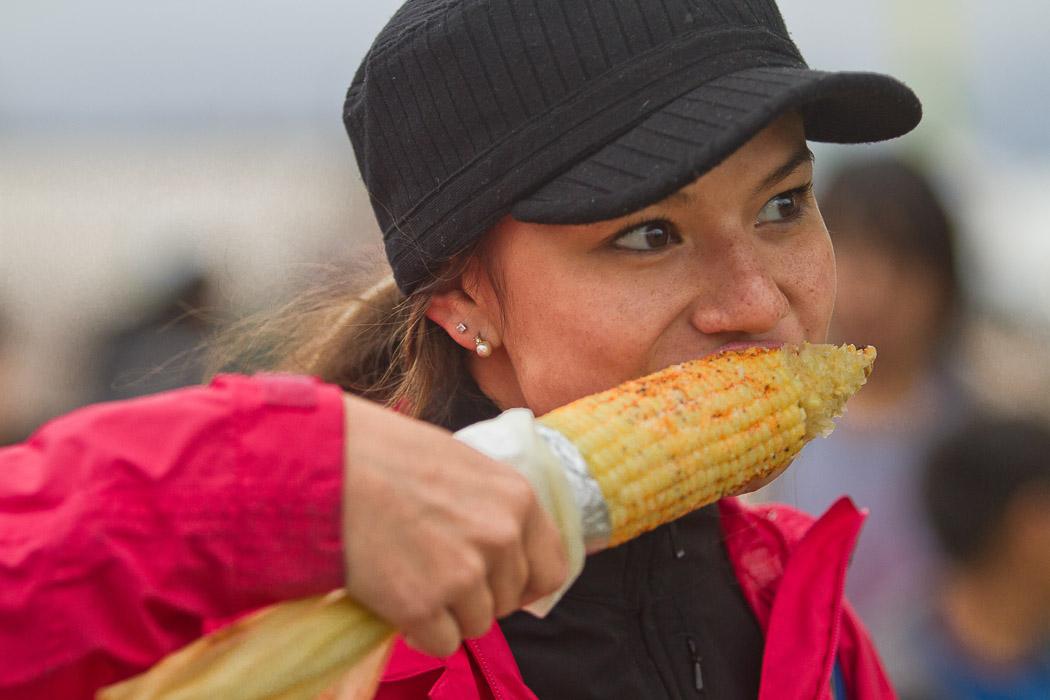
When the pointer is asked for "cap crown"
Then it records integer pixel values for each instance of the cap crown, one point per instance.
(461, 107)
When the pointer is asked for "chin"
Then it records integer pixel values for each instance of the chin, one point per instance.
(756, 484)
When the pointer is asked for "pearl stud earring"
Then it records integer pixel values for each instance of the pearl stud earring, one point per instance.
(482, 347)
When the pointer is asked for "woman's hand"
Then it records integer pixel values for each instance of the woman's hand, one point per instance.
(439, 539)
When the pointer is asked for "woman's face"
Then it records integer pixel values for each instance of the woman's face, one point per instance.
(739, 257)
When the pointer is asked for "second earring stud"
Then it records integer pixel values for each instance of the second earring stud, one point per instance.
(482, 347)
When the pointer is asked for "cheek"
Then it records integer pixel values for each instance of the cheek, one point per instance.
(812, 286)
(573, 334)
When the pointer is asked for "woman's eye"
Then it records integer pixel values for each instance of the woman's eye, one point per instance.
(651, 236)
(784, 206)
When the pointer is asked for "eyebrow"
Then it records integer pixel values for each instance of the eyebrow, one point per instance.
(802, 155)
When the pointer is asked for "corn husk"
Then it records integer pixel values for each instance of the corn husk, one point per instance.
(324, 646)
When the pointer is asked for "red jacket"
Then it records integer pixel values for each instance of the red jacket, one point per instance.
(124, 526)
(792, 571)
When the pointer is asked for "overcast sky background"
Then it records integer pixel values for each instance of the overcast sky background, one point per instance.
(111, 64)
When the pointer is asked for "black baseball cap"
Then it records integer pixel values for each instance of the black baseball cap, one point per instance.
(575, 111)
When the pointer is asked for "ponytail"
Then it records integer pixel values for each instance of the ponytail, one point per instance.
(375, 343)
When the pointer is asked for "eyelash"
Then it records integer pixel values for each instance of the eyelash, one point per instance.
(665, 224)
(802, 202)
(800, 195)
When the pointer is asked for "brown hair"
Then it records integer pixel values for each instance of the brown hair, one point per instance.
(368, 338)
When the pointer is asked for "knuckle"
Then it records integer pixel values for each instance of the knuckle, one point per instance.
(519, 495)
(470, 572)
(416, 613)
(504, 533)
(551, 538)
(550, 577)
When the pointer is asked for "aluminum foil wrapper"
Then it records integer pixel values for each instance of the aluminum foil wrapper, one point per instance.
(597, 528)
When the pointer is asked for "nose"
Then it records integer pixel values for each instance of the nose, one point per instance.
(740, 293)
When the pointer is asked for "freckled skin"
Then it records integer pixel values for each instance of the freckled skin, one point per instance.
(577, 315)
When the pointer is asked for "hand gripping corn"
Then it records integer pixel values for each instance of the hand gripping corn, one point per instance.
(634, 457)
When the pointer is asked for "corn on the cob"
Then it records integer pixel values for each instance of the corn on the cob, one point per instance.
(666, 444)
(659, 447)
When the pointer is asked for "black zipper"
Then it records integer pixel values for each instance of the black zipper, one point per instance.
(698, 673)
(676, 547)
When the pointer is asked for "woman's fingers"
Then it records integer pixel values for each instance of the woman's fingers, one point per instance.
(548, 563)
(505, 534)
(438, 538)
(474, 611)
(438, 635)
(508, 580)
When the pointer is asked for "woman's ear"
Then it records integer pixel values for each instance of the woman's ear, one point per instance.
(462, 318)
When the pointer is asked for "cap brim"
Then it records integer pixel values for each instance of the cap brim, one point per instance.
(698, 130)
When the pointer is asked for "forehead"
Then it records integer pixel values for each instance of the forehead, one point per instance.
(766, 158)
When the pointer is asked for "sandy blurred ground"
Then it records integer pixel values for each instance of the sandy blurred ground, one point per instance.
(94, 227)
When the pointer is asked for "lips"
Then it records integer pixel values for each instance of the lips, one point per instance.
(744, 345)
(734, 346)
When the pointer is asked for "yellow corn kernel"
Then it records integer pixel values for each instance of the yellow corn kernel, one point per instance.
(666, 444)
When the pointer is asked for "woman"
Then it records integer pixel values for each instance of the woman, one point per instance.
(574, 193)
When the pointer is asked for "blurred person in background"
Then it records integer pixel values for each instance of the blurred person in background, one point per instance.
(159, 347)
(987, 495)
(899, 290)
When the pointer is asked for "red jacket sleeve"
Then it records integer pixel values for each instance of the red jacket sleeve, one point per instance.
(124, 525)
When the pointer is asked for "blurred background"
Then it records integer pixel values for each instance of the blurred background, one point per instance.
(165, 167)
